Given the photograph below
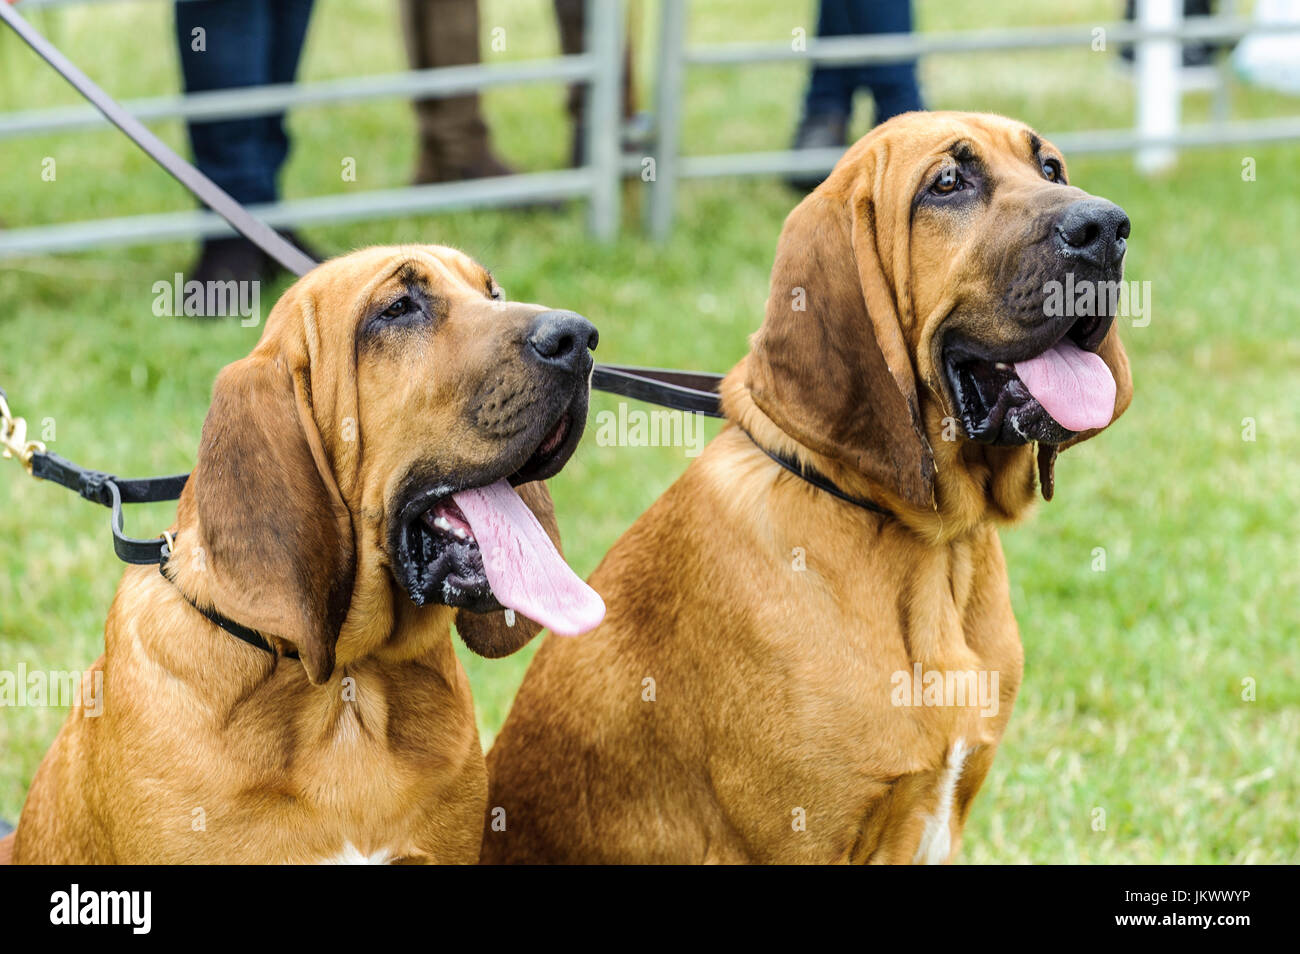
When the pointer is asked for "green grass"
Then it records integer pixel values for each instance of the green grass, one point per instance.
(1132, 700)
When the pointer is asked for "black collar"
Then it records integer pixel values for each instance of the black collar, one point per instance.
(818, 480)
(238, 630)
(254, 638)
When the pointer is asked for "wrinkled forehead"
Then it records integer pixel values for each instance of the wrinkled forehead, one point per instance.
(998, 142)
(901, 151)
(992, 141)
(342, 287)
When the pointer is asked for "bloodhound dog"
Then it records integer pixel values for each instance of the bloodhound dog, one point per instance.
(810, 653)
(352, 499)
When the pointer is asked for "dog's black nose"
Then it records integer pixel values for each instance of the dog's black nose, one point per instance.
(1094, 231)
(562, 338)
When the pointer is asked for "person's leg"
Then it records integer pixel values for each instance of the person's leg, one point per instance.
(830, 88)
(226, 44)
(571, 22)
(829, 101)
(893, 85)
(1200, 54)
(1194, 53)
(288, 31)
(289, 21)
(454, 140)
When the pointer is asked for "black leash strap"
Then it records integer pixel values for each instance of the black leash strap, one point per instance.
(694, 391)
(110, 491)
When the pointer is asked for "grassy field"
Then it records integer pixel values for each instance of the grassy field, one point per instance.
(1133, 694)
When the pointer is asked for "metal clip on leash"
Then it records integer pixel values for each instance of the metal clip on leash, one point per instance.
(13, 436)
(96, 486)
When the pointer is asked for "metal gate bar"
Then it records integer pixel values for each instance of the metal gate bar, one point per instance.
(599, 181)
(675, 56)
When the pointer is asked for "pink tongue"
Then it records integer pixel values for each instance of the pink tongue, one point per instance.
(523, 568)
(1072, 385)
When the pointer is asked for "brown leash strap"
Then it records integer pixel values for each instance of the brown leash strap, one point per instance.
(211, 194)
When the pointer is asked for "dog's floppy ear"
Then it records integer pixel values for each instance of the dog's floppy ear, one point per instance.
(263, 506)
(1112, 352)
(830, 366)
(491, 634)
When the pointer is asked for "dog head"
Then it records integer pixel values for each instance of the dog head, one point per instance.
(364, 452)
(913, 326)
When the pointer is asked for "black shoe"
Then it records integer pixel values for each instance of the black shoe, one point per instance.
(239, 260)
(635, 139)
(227, 260)
(824, 131)
(273, 268)
(1195, 55)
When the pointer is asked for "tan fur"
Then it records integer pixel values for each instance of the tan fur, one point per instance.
(211, 750)
(771, 684)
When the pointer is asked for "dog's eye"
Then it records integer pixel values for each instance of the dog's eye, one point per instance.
(498, 293)
(1052, 170)
(949, 181)
(397, 309)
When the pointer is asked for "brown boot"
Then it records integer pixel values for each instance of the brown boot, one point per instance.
(570, 18)
(454, 140)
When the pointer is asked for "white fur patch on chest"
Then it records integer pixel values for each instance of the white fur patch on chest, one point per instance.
(936, 840)
(351, 855)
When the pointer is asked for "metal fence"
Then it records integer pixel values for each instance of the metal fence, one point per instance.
(598, 181)
(1154, 138)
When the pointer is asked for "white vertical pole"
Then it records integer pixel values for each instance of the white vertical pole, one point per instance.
(668, 112)
(604, 115)
(1221, 108)
(1159, 99)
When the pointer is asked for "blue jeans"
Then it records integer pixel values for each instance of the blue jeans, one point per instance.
(893, 85)
(247, 43)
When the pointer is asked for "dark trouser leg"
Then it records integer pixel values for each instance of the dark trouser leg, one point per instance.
(243, 43)
(571, 21)
(829, 100)
(830, 88)
(893, 85)
(1194, 53)
(453, 137)
(288, 32)
(226, 44)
